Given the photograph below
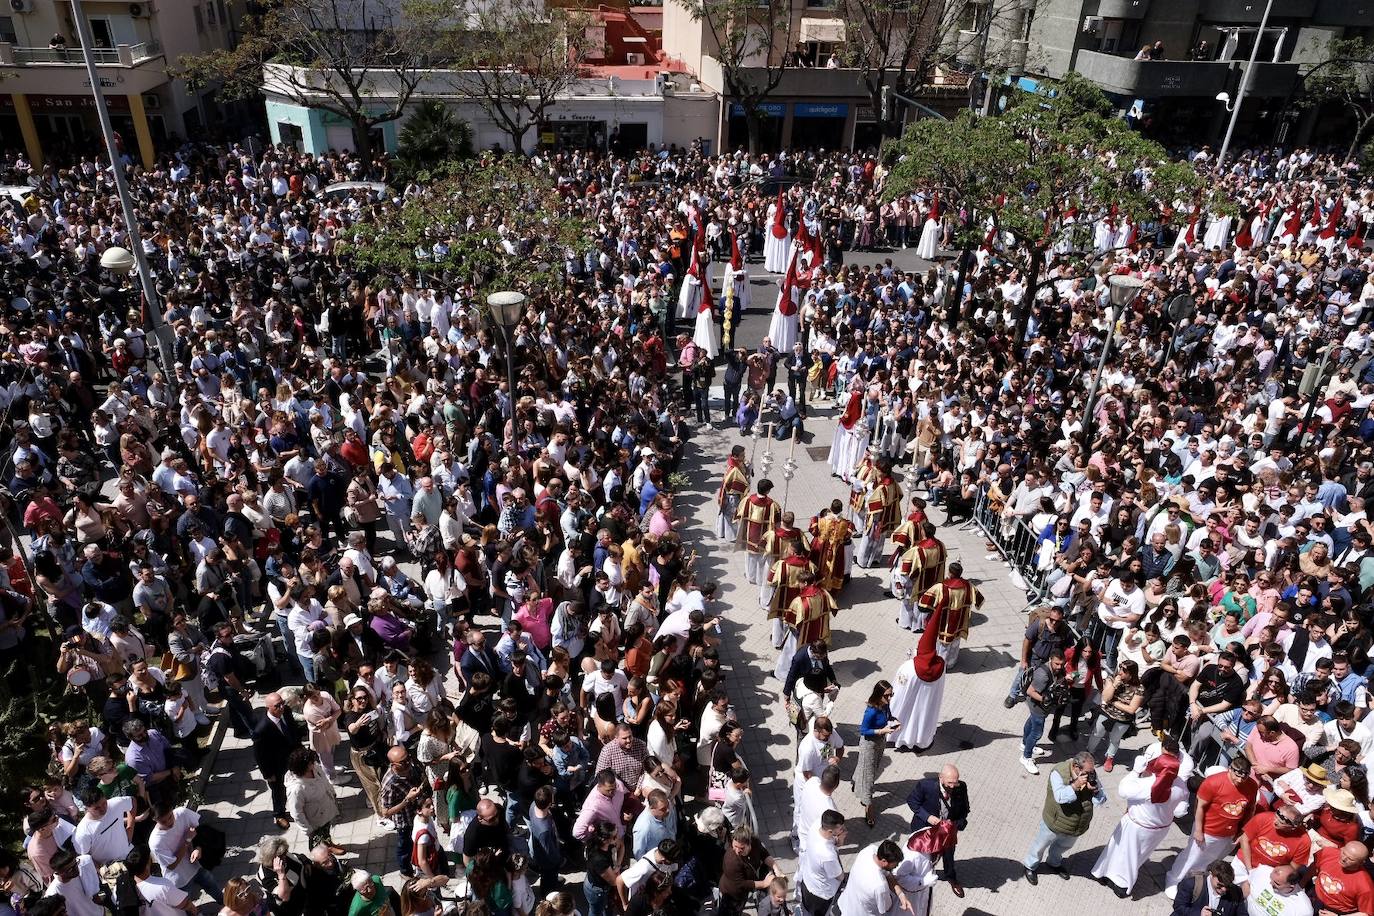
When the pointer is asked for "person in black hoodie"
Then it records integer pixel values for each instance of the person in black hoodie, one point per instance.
(734, 378)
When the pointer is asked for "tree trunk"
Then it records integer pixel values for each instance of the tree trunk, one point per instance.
(751, 130)
(362, 143)
(1355, 140)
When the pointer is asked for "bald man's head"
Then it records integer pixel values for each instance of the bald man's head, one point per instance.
(1284, 879)
(1353, 856)
(949, 776)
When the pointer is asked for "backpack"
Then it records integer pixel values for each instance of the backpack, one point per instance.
(119, 891)
(211, 679)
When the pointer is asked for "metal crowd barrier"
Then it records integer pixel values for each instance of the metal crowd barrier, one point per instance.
(1018, 548)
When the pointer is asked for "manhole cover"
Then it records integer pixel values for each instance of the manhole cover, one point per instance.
(819, 453)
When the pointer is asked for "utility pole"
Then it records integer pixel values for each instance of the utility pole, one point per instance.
(152, 305)
(1244, 84)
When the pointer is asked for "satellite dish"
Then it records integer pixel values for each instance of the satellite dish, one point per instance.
(1180, 308)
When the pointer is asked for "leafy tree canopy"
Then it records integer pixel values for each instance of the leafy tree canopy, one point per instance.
(505, 223)
(1045, 157)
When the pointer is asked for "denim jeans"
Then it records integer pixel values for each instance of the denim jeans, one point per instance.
(1014, 691)
(206, 882)
(598, 899)
(403, 842)
(1110, 729)
(1035, 727)
(1048, 847)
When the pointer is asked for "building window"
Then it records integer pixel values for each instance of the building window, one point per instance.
(819, 4)
(210, 13)
(200, 19)
(7, 30)
(291, 135)
(223, 13)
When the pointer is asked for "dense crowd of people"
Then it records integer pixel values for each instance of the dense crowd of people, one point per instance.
(331, 523)
(1194, 542)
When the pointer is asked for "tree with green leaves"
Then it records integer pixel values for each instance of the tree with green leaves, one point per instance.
(360, 60)
(752, 41)
(432, 135)
(504, 222)
(516, 58)
(1345, 78)
(1030, 168)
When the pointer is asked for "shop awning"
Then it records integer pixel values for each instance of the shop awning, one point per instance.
(828, 30)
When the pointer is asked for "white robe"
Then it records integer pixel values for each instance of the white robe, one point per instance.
(1104, 236)
(916, 875)
(783, 330)
(740, 280)
(848, 448)
(775, 250)
(707, 332)
(1218, 233)
(929, 246)
(1140, 830)
(689, 299)
(916, 704)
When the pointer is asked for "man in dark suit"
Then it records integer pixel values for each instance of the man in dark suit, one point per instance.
(941, 798)
(479, 657)
(1214, 893)
(275, 736)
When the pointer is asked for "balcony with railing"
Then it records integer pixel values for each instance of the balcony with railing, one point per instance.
(118, 56)
(1152, 79)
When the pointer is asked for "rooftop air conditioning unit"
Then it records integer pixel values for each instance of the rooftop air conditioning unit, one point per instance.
(21, 6)
(1092, 24)
(634, 58)
(139, 10)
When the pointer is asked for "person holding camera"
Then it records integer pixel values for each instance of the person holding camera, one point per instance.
(1047, 689)
(1071, 798)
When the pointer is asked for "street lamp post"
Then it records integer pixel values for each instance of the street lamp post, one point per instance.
(1122, 289)
(1244, 85)
(506, 308)
(136, 259)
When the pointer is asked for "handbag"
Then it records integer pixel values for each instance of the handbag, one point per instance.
(715, 781)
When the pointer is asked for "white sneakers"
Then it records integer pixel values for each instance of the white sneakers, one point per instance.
(1030, 766)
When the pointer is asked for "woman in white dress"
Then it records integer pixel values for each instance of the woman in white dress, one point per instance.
(851, 436)
(930, 232)
(919, 689)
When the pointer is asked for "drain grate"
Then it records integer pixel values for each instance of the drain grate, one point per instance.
(819, 453)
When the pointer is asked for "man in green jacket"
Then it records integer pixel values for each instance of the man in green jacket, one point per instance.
(1071, 797)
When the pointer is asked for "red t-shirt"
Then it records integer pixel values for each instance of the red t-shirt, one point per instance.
(1269, 847)
(1337, 830)
(1227, 805)
(1340, 890)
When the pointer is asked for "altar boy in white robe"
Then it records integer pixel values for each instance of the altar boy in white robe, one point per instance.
(1151, 796)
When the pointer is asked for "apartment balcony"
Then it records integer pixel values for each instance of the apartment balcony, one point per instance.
(118, 56)
(1356, 13)
(123, 69)
(1123, 9)
(1153, 79)
(1251, 11)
